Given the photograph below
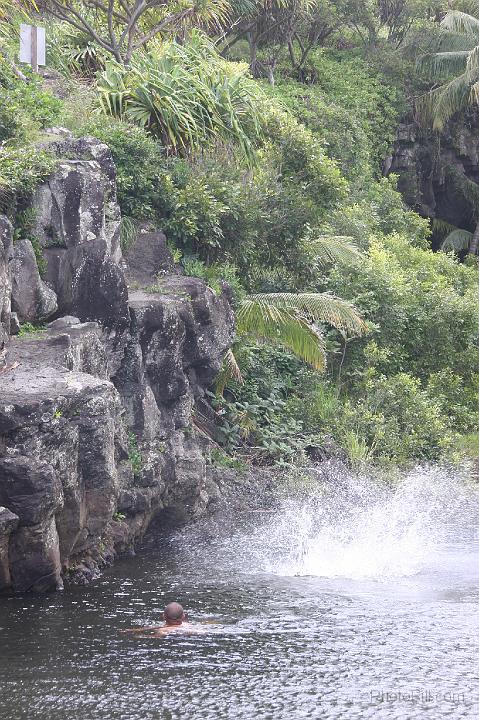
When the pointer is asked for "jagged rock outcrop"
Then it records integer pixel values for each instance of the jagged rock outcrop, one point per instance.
(438, 173)
(32, 299)
(78, 225)
(96, 430)
(148, 257)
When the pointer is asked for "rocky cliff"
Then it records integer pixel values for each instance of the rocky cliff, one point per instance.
(439, 173)
(97, 433)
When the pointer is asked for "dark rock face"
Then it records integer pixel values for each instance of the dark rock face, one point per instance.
(432, 169)
(32, 299)
(96, 431)
(78, 225)
(148, 257)
(8, 523)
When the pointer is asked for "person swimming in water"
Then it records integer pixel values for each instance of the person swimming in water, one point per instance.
(175, 620)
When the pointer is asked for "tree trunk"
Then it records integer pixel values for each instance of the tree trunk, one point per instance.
(474, 241)
(253, 49)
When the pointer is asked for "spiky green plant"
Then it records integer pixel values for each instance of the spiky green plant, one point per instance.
(187, 96)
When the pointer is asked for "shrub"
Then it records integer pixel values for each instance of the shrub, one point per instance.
(138, 163)
(379, 210)
(25, 108)
(424, 307)
(214, 275)
(397, 420)
(186, 95)
(21, 170)
(364, 101)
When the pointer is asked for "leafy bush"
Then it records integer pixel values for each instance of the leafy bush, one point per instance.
(347, 99)
(138, 163)
(423, 305)
(378, 210)
(397, 420)
(25, 108)
(214, 275)
(186, 95)
(21, 170)
(255, 415)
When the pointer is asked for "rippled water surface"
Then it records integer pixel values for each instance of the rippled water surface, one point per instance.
(351, 603)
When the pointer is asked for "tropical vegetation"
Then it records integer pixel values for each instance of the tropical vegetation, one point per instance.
(257, 136)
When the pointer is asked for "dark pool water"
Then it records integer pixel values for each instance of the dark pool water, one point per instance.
(361, 604)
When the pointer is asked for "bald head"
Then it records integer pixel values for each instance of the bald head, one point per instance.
(174, 613)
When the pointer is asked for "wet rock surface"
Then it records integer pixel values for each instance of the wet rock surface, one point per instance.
(96, 410)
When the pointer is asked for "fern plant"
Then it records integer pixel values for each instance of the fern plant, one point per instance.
(296, 321)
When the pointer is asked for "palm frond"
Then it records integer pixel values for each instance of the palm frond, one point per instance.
(333, 249)
(443, 63)
(230, 370)
(440, 104)
(315, 307)
(472, 65)
(282, 327)
(457, 240)
(441, 227)
(460, 22)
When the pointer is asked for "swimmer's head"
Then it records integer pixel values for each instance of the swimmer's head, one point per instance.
(174, 614)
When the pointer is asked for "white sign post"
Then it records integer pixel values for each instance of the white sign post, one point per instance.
(32, 45)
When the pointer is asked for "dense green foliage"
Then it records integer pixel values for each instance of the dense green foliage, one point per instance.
(25, 109)
(349, 106)
(186, 95)
(246, 177)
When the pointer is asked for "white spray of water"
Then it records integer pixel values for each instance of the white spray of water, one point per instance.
(357, 527)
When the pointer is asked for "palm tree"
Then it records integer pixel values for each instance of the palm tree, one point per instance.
(459, 240)
(295, 320)
(460, 60)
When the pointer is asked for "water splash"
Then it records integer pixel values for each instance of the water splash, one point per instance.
(356, 526)
(359, 528)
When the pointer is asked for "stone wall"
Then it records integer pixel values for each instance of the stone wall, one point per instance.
(96, 409)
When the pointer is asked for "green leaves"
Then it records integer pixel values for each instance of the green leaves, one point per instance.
(292, 320)
(462, 60)
(187, 96)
